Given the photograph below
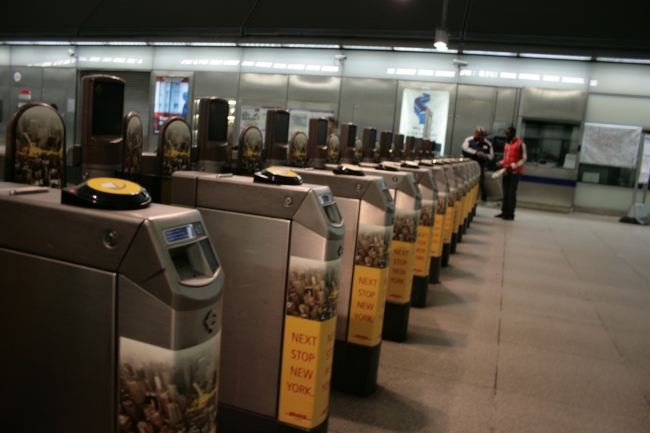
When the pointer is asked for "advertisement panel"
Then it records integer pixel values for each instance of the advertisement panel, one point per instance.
(170, 100)
(416, 106)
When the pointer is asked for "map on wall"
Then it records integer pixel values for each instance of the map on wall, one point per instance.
(610, 145)
(299, 119)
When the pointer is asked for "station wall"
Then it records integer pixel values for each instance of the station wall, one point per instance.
(366, 88)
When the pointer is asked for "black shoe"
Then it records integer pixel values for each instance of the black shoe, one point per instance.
(509, 218)
(499, 216)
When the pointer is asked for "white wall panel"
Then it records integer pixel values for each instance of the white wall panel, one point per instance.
(618, 110)
(621, 79)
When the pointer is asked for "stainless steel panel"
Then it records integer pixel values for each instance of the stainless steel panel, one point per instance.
(553, 104)
(263, 87)
(451, 88)
(253, 308)
(222, 84)
(368, 91)
(550, 172)
(505, 109)
(349, 209)
(378, 116)
(544, 196)
(474, 107)
(59, 85)
(58, 322)
(39, 224)
(143, 317)
(310, 88)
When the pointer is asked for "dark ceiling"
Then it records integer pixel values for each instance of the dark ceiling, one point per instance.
(553, 26)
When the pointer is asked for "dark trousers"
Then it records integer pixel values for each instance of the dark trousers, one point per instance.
(510, 182)
(482, 186)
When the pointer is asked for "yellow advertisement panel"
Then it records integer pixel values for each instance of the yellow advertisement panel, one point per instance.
(422, 260)
(438, 236)
(400, 277)
(308, 345)
(449, 219)
(306, 371)
(367, 305)
(457, 211)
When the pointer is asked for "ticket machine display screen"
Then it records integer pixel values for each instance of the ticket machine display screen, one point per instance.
(217, 121)
(322, 133)
(179, 234)
(281, 127)
(108, 106)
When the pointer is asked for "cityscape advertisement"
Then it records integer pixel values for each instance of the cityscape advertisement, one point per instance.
(170, 100)
(299, 119)
(416, 103)
(168, 391)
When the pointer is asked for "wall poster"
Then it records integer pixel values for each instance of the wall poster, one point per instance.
(170, 100)
(416, 103)
(299, 119)
(644, 175)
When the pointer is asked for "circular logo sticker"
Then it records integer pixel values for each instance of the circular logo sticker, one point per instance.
(281, 172)
(111, 185)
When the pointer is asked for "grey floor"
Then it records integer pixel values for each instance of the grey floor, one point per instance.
(541, 324)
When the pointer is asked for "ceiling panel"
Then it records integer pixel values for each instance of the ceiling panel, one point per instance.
(341, 18)
(191, 18)
(44, 18)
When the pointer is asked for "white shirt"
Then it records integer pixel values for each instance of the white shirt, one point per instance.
(469, 150)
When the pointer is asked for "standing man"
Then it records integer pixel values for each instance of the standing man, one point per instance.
(514, 157)
(480, 150)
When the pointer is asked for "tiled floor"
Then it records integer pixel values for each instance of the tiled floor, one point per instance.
(541, 324)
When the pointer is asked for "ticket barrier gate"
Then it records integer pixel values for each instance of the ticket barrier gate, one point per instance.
(282, 243)
(408, 200)
(116, 312)
(369, 212)
(422, 270)
(449, 239)
(463, 186)
(440, 219)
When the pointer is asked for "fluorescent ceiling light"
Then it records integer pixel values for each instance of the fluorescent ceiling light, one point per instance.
(593, 83)
(119, 60)
(442, 38)
(313, 68)
(90, 43)
(466, 73)
(330, 69)
(280, 65)
(216, 62)
(231, 62)
(232, 102)
(335, 47)
(390, 71)
(263, 64)
(618, 60)
(490, 53)
(534, 77)
(19, 42)
(95, 59)
(212, 44)
(445, 73)
(168, 44)
(132, 61)
(510, 75)
(555, 56)
(573, 80)
(52, 43)
(553, 78)
(134, 43)
(296, 66)
(107, 59)
(366, 47)
(416, 50)
(405, 72)
(425, 72)
(247, 63)
(261, 45)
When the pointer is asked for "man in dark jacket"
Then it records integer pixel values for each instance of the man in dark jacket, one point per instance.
(480, 150)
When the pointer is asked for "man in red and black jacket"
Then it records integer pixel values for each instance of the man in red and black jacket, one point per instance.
(514, 157)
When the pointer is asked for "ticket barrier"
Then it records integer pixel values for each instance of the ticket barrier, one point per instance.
(440, 219)
(422, 271)
(281, 242)
(463, 186)
(449, 239)
(115, 309)
(408, 201)
(369, 212)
